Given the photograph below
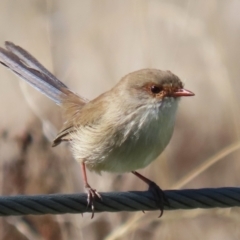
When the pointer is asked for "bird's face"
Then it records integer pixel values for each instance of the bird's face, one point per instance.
(152, 87)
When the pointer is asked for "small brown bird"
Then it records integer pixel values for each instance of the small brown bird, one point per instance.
(122, 130)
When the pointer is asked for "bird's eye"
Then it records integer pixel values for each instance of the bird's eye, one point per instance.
(155, 89)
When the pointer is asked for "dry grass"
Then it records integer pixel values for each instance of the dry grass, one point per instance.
(90, 45)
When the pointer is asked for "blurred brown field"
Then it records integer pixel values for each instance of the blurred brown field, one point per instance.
(90, 45)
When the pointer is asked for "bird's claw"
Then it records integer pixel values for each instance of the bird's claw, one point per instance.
(91, 196)
(159, 196)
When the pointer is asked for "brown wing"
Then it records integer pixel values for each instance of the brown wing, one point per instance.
(71, 105)
(78, 114)
(63, 135)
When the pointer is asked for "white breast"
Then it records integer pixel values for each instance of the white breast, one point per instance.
(147, 136)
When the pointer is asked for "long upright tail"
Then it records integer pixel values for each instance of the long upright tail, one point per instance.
(28, 68)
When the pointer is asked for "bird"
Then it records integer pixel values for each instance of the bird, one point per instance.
(122, 130)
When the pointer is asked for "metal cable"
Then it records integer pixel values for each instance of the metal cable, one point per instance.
(118, 201)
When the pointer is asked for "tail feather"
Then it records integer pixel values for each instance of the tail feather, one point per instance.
(31, 61)
(28, 68)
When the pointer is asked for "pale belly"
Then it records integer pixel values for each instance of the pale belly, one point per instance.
(139, 150)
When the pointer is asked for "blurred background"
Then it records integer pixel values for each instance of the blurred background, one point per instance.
(90, 45)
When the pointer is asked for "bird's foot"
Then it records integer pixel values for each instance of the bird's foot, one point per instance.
(92, 195)
(159, 196)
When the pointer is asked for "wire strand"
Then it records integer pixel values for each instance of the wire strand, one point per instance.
(118, 201)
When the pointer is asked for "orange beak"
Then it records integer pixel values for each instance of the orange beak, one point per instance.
(182, 93)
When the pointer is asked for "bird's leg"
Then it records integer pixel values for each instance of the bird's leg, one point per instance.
(92, 193)
(157, 192)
